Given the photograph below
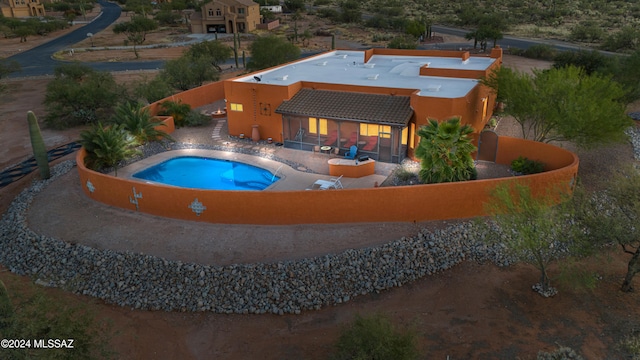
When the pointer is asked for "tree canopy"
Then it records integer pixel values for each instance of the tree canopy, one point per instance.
(136, 30)
(185, 72)
(79, 95)
(270, 51)
(214, 51)
(563, 104)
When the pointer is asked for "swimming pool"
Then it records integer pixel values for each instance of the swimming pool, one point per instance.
(209, 174)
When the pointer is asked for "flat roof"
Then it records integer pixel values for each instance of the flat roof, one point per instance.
(392, 71)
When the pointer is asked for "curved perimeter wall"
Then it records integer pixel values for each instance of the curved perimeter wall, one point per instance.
(386, 204)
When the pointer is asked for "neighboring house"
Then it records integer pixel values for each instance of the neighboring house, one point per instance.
(21, 8)
(226, 16)
(276, 9)
(374, 99)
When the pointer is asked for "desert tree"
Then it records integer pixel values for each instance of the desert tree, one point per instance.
(215, 51)
(563, 104)
(445, 151)
(136, 30)
(612, 216)
(79, 95)
(270, 51)
(534, 228)
(187, 72)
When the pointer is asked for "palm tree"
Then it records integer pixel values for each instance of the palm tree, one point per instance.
(445, 151)
(107, 146)
(139, 122)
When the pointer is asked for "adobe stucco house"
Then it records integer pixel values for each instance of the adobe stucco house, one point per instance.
(375, 99)
(21, 8)
(226, 16)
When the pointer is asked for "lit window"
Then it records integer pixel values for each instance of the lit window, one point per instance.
(386, 131)
(412, 134)
(236, 107)
(323, 126)
(405, 132)
(313, 125)
(484, 107)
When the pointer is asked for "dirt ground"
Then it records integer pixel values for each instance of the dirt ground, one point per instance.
(472, 311)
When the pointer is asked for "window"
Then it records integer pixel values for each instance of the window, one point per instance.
(210, 12)
(236, 107)
(375, 130)
(316, 126)
(241, 11)
(485, 102)
(412, 136)
(218, 12)
(405, 132)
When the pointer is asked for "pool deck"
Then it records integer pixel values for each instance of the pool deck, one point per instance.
(290, 178)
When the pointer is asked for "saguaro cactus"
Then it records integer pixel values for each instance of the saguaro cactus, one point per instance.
(37, 143)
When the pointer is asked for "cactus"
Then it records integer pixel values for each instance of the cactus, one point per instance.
(37, 143)
(333, 41)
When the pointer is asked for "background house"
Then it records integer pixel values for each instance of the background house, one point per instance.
(21, 8)
(226, 16)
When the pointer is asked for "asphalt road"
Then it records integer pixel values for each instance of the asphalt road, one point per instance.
(38, 61)
(507, 42)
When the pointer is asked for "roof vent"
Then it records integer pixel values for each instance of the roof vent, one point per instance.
(344, 56)
(369, 66)
(434, 88)
(373, 76)
(282, 78)
(324, 63)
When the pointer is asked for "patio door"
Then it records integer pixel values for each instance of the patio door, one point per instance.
(385, 145)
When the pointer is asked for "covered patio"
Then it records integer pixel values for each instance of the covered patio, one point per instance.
(333, 121)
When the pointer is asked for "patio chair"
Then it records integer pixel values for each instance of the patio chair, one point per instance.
(331, 139)
(373, 141)
(351, 154)
(333, 183)
(352, 140)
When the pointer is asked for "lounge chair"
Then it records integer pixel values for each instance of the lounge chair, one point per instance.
(333, 183)
(351, 154)
(331, 139)
(373, 141)
(352, 140)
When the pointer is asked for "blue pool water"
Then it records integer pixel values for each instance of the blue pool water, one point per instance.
(209, 174)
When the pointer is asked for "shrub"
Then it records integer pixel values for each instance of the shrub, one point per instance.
(375, 337)
(194, 118)
(176, 109)
(563, 353)
(107, 146)
(541, 52)
(524, 166)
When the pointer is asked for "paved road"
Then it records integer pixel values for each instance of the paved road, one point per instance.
(506, 42)
(38, 61)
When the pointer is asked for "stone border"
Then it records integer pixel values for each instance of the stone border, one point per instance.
(152, 283)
